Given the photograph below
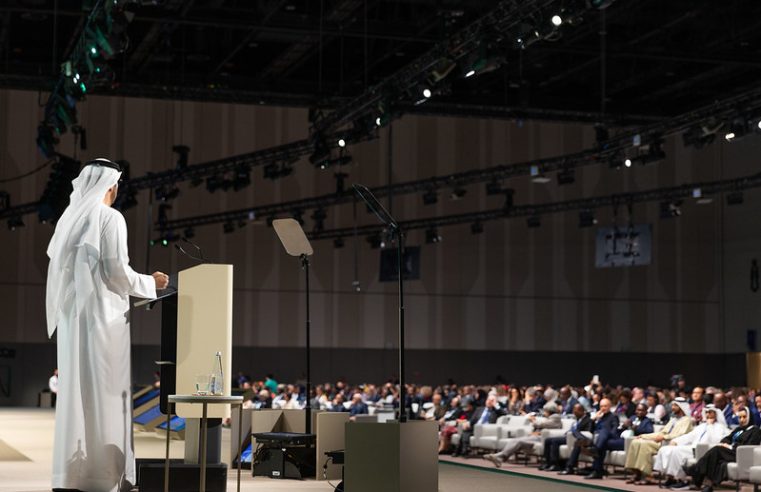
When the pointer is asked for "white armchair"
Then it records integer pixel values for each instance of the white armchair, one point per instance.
(747, 457)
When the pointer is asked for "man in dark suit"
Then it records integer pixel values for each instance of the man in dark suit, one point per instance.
(552, 445)
(605, 425)
(486, 414)
(640, 424)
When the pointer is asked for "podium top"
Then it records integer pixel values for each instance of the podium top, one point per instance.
(205, 399)
(170, 290)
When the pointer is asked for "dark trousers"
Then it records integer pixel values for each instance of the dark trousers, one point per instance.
(464, 446)
(610, 444)
(552, 450)
(713, 465)
(573, 460)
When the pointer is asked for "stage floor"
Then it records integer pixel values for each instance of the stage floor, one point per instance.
(26, 444)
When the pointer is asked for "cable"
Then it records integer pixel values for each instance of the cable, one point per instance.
(33, 171)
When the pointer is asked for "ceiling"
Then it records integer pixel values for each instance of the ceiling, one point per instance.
(659, 58)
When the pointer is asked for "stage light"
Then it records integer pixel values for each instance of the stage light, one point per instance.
(670, 209)
(628, 162)
(319, 217)
(242, 178)
(427, 93)
(729, 136)
(470, 73)
(457, 193)
(378, 121)
(15, 223)
(758, 125)
(167, 192)
(93, 50)
(735, 198)
(477, 227)
(341, 142)
(430, 197)
(374, 240)
(533, 222)
(493, 188)
(566, 176)
(556, 20)
(587, 219)
(432, 236)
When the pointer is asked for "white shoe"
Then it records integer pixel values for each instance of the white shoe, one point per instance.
(494, 459)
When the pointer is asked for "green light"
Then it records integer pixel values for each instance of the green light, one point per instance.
(164, 242)
(94, 50)
(152, 242)
(83, 87)
(97, 70)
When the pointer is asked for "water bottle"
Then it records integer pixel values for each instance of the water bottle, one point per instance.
(216, 382)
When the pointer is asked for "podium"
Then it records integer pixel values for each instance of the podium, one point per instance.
(196, 322)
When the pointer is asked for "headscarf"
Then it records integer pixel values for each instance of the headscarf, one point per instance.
(74, 249)
(683, 404)
(719, 414)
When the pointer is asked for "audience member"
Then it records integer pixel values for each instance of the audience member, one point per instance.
(552, 445)
(697, 404)
(610, 441)
(486, 414)
(639, 457)
(550, 420)
(515, 402)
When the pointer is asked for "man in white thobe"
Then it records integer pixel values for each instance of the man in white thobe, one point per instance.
(87, 300)
(670, 459)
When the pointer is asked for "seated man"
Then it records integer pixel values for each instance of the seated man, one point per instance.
(486, 414)
(713, 465)
(639, 458)
(551, 420)
(358, 407)
(552, 445)
(697, 404)
(614, 441)
(605, 423)
(670, 459)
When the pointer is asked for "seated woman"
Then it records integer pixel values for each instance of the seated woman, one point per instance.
(670, 459)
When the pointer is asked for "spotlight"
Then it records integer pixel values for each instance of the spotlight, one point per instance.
(470, 73)
(375, 241)
(430, 197)
(671, 209)
(427, 93)
(182, 152)
(735, 198)
(338, 243)
(628, 162)
(378, 121)
(341, 142)
(15, 222)
(758, 125)
(167, 192)
(356, 285)
(457, 193)
(432, 236)
(242, 178)
(556, 20)
(729, 136)
(566, 176)
(533, 222)
(493, 188)
(587, 219)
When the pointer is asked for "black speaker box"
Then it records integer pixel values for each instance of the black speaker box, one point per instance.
(183, 477)
(285, 462)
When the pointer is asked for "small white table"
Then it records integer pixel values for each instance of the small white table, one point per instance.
(205, 400)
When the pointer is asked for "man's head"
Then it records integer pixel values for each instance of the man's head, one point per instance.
(652, 400)
(578, 410)
(565, 393)
(604, 405)
(356, 398)
(549, 408)
(638, 394)
(491, 401)
(720, 400)
(641, 411)
(679, 407)
(436, 399)
(711, 415)
(697, 394)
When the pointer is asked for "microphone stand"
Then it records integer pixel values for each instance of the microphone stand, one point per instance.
(308, 409)
(374, 205)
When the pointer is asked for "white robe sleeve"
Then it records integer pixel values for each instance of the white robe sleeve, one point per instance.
(118, 275)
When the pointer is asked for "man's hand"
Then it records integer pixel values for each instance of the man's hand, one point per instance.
(161, 279)
(659, 438)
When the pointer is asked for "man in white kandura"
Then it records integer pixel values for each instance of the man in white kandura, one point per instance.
(88, 288)
(670, 459)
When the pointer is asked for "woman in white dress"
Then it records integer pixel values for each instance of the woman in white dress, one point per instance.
(88, 287)
(671, 458)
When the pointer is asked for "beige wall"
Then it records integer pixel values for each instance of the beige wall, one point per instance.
(510, 288)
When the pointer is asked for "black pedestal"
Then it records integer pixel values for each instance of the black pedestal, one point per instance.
(182, 477)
